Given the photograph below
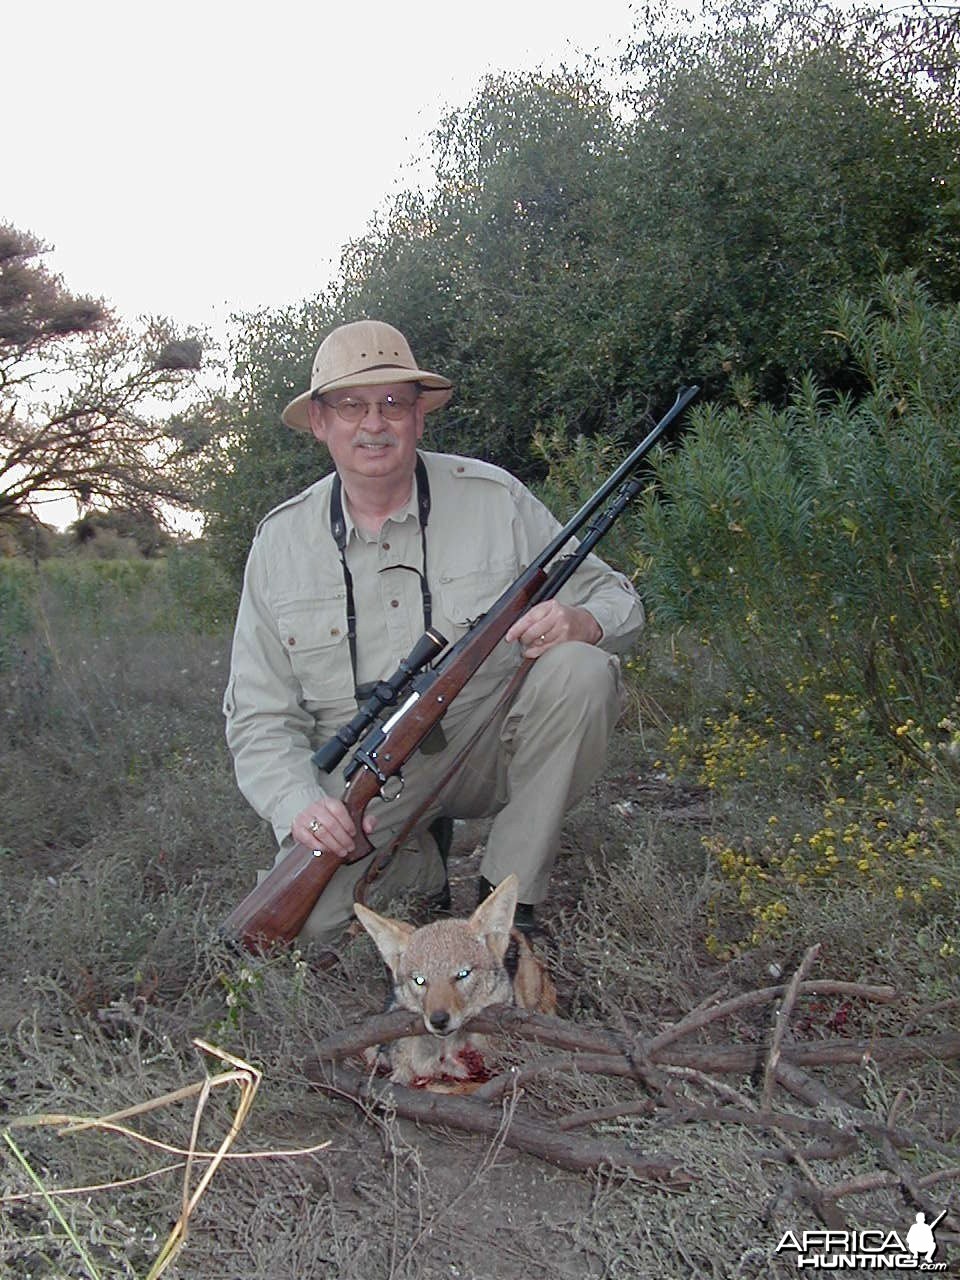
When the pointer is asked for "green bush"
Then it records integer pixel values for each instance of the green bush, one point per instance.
(199, 590)
(577, 468)
(18, 582)
(187, 590)
(817, 549)
(94, 591)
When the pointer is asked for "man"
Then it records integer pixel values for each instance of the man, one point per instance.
(344, 578)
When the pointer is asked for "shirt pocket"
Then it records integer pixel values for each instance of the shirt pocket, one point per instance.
(465, 597)
(313, 633)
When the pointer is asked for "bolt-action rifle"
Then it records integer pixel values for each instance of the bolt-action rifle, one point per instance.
(277, 909)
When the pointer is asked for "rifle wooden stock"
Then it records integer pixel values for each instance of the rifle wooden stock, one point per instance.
(277, 909)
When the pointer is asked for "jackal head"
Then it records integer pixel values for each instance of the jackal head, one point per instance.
(451, 969)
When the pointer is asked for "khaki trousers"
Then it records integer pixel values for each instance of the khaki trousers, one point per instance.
(533, 761)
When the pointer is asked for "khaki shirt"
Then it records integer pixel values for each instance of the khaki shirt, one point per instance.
(291, 682)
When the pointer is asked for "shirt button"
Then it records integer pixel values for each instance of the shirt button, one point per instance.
(291, 641)
(394, 604)
(386, 546)
(334, 631)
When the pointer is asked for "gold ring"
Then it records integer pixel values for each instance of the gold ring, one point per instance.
(314, 826)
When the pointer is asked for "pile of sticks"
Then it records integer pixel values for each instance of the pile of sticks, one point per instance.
(662, 1063)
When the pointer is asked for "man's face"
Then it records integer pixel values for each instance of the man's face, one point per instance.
(373, 447)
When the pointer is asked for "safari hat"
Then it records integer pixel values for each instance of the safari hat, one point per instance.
(366, 353)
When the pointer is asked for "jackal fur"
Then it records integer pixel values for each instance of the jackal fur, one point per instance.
(448, 971)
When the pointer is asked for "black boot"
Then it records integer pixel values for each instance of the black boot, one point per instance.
(523, 917)
(441, 829)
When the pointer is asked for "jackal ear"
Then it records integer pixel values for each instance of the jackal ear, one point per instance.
(493, 919)
(391, 936)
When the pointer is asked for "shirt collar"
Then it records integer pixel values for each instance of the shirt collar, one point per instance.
(403, 513)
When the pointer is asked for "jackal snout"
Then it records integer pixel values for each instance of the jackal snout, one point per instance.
(449, 972)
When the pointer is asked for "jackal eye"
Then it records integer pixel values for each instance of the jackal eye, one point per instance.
(463, 973)
(418, 979)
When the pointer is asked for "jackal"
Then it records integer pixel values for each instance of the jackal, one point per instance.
(448, 971)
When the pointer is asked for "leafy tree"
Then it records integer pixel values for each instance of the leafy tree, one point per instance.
(253, 461)
(80, 395)
(595, 237)
(494, 271)
(137, 532)
(787, 152)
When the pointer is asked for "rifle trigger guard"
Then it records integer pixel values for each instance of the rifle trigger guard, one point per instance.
(390, 788)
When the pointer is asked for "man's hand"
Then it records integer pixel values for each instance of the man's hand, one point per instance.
(552, 623)
(326, 824)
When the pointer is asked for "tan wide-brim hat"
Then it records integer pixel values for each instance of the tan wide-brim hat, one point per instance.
(367, 353)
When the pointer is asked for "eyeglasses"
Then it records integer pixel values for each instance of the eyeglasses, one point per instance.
(353, 410)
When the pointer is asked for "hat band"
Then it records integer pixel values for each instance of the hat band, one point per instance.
(372, 368)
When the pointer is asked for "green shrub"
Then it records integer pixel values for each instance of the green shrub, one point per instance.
(95, 591)
(817, 550)
(199, 590)
(18, 584)
(577, 468)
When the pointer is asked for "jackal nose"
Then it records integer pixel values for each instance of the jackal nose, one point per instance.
(440, 1020)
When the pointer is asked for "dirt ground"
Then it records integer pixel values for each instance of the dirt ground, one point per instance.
(113, 968)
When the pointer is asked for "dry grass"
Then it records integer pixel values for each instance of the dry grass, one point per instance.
(123, 842)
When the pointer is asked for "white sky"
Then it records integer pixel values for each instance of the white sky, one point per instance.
(191, 159)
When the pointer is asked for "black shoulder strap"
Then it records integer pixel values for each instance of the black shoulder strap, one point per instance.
(423, 493)
(338, 530)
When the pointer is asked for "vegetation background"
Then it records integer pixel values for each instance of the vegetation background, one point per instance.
(765, 201)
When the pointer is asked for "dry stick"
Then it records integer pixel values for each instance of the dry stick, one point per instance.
(351, 1041)
(702, 1017)
(783, 1022)
(814, 1093)
(515, 1078)
(500, 1020)
(813, 1151)
(715, 1086)
(584, 1064)
(753, 1119)
(866, 1182)
(525, 1135)
(597, 1115)
(729, 1057)
(746, 1059)
(928, 1010)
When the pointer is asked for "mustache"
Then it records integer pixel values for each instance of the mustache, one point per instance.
(381, 438)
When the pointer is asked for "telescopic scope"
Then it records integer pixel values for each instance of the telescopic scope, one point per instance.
(385, 694)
